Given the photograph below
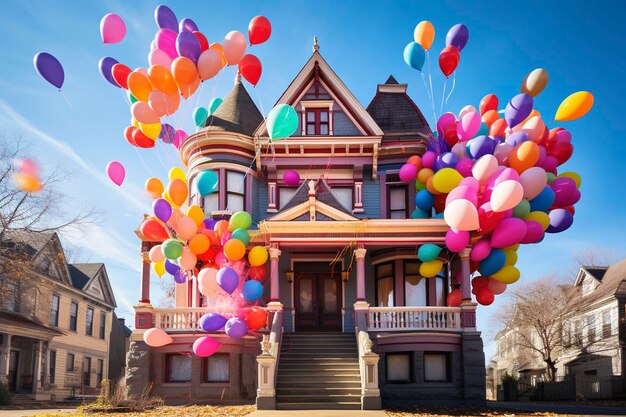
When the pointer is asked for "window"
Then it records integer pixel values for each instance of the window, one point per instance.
(69, 365)
(591, 328)
(397, 198)
(178, 368)
(9, 295)
(99, 372)
(211, 203)
(73, 316)
(344, 196)
(285, 194)
(54, 310)
(317, 122)
(398, 367)
(103, 323)
(441, 289)
(235, 191)
(384, 285)
(587, 285)
(217, 368)
(414, 285)
(53, 365)
(89, 322)
(436, 367)
(86, 371)
(606, 324)
(578, 333)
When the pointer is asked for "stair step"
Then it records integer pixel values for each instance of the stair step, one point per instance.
(309, 391)
(321, 398)
(318, 364)
(343, 405)
(321, 377)
(313, 355)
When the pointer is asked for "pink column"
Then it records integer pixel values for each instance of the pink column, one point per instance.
(360, 274)
(274, 282)
(466, 289)
(145, 283)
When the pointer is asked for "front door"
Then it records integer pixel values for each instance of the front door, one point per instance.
(317, 300)
(14, 361)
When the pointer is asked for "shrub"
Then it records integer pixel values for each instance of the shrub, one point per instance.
(5, 397)
(117, 398)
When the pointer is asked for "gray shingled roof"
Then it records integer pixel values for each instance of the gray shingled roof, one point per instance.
(237, 113)
(324, 194)
(613, 283)
(81, 274)
(21, 240)
(598, 272)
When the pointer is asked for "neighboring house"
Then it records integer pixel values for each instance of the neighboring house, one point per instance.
(120, 341)
(55, 318)
(343, 264)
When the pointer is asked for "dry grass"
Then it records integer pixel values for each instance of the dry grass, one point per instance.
(460, 411)
(172, 411)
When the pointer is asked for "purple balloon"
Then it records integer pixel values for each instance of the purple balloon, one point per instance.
(171, 267)
(180, 277)
(479, 146)
(162, 209)
(167, 133)
(446, 160)
(165, 18)
(209, 224)
(560, 220)
(188, 25)
(49, 68)
(518, 109)
(212, 322)
(516, 138)
(188, 45)
(236, 328)
(457, 36)
(105, 64)
(228, 279)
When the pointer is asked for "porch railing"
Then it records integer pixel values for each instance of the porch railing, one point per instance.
(179, 319)
(381, 319)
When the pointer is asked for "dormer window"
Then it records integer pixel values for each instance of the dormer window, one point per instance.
(587, 286)
(317, 122)
(316, 117)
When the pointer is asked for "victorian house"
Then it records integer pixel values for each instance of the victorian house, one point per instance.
(352, 321)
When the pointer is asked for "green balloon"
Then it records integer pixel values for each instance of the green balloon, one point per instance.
(241, 234)
(172, 249)
(282, 122)
(419, 186)
(418, 213)
(240, 220)
(428, 252)
(522, 209)
(551, 177)
(200, 115)
(214, 104)
(131, 98)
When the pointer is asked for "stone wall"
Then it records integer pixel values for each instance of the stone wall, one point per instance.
(138, 375)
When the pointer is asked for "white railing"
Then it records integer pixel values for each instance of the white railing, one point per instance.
(176, 319)
(382, 319)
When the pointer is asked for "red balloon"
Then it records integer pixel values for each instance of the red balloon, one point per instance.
(484, 296)
(480, 282)
(498, 128)
(141, 140)
(440, 202)
(258, 273)
(209, 255)
(204, 42)
(255, 318)
(259, 30)
(454, 298)
(571, 209)
(128, 134)
(562, 151)
(488, 219)
(449, 59)
(153, 230)
(489, 102)
(450, 135)
(120, 74)
(250, 68)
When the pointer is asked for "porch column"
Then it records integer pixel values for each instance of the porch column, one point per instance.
(145, 278)
(360, 274)
(37, 372)
(5, 352)
(274, 303)
(466, 289)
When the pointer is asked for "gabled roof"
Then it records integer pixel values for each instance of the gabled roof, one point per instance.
(81, 274)
(237, 113)
(613, 283)
(596, 272)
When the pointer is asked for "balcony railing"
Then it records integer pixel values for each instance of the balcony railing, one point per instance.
(179, 319)
(383, 319)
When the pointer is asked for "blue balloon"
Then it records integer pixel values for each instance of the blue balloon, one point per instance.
(560, 220)
(206, 182)
(212, 322)
(493, 263)
(543, 201)
(252, 290)
(479, 146)
(414, 55)
(438, 216)
(171, 267)
(424, 200)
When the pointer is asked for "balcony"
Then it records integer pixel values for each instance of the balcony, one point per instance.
(387, 319)
(174, 320)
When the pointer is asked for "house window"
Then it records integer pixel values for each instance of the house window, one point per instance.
(86, 371)
(344, 196)
(211, 203)
(73, 316)
(103, 323)
(437, 367)
(317, 122)
(217, 368)
(441, 289)
(384, 285)
(398, 367)
(69, 365)
(53, 365)
(178, 368)
(606, 324)
(591, 328)
(285, 194)
(99, 372)
(397, 198)
(414, 285)
(89, 322)
(54, 310)
(9, 295)
(235, 191)
(587, 285)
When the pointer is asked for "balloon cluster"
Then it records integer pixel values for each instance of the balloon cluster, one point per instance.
(497, 183)
(26, 175)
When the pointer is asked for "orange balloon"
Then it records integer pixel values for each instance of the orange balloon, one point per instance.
(220, 228)
(184, 71)
(177, 191)
(171, 103)
(524, 156)
(199, 243)
(162, 79)
(490, 117)
(187, 90)
(139, 86)
(154, 187)
(234, 249)
(429, 186)
(498, 128)
(424, 174)
(217, 47)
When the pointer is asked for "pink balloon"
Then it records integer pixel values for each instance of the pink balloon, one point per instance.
(463, 192)
(480, 250)
(468, 125)
(166, 41)
(116, 172)
(143, 113)
(205, 346)
(509, 232)
(112, 28)
(534, 180)
(209, 64)
(461, 215)
(157, 102)
(565, 192)
(156, 254)
(460, 150)
(484, 168)
(506, 195)
(156, 337)
(550, 163)
(185, 228)
(470, 182)
(234, 47)
(464, 166)
(534, 232)
(159, 57)
(534, 128)
(428, 159)
(445, 120)
(408, 172)
(563, 136)
(502, 152)
(457, 240)
(496, 286)
(187, 259)
(467, 109)
(505, 175)
(179, 138)
(208, 282)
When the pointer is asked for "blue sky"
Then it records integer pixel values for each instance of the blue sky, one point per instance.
(580, 44)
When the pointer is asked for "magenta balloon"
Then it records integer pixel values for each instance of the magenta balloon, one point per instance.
(291, 178)
(408, 172)
(457, 36)
(464, 167)
(565, 192)
(480, 250)
(49, 68)
(504, 175)
(534, 232)
(165, 18)
(428, 159)
(166, 41)
(116, 172)
(463, 192)
(205, 346)
(179, 138)
(444, 121)
(112, 28)
(457, 240)
(509, 232)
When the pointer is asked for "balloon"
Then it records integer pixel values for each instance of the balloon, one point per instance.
(196, 214)
(49, 68)
(188, 25)
(212, 322)
(217, 47)
(457, 36)
(282, 122)
(158, 104)
(448, 60)
(489, 102)
(165, 18)
(250, 68)
(120, 73)
(479, 146)
(455, 297)
(186, 228)
(507, 275)
(560, 220)
(172, 249)
(165, 40)
(415, 160)
(234, 47)
(180, 277)
(565, 192)
(209, 64)
(446, 179)
(258, 256)
(159, 268)
(430, 269)
(184, 70)
(462, 192)
(240, 220)
(206, 182)
(155, 254)
(428, 252)
(488, 218)
(171, 267)
(234, 249)
(524, 156)
(156, 337)
(159, 57)
(214, 104)
(534, 232)
(179, 138)
(204, 42)
(498, 128)
(139, 85)
(162, 79)
(518, 109)
(424, 34)
(236, 328)
(104, 65)
(484, 168)
(116, 172)
(258, 273)
(205, 346)
(457, 240)
(543, 201)
(496, 287)
(424, 200)
(521, 210)
(291, 178)
(167, 132)
(535, 82)
(259, 30)
(252, 290)
(468, 125)
(490, 117)
(208, 283)
(241, 234)
(154, 187)
(534, 180)
(26, 182)
(177, 190)
(199, 244)
(493, 263)
(112, 28)
(574, 106)
(506, 195)
(187, 45)
(153, 230)
(414, 55)
(255, 318)
(143, 113)
(228, 279)
(176, 214)
(484, 296)
(461, 215)
(509, 232)
(408, 173)
(141, 140)
(188, 259)
(480, 250)
(200, 114)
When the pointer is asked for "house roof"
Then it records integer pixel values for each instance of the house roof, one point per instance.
(24, 326)
(27, 241)
(323, 194)
(237, 113)
(81, 274)
(596, 271)
(612, 282)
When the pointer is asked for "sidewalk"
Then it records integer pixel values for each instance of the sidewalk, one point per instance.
(317, 413)
(558, 408)
(22, 413)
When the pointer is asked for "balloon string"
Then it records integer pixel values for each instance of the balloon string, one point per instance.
(430, 80)
(143, 162)
(452, 89)
(65, 98)
(443, 95)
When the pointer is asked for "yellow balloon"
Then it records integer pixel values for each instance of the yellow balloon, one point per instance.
(159, 268)
(446, 180)
(431, 269)
(574, 106)
(540, 217)
(176, 172)
(257, 256)
(424, 34)
(507, 275)
(134, 122)
(511, 256)
(151, 130)
(167, 197)
(154, 187)
(535, 82)
(196, 214)
(572, 175)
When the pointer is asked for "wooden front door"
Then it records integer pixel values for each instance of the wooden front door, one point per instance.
(318, 301)
(14, 362)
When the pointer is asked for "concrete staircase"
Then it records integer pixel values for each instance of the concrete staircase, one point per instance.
(318, 371)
